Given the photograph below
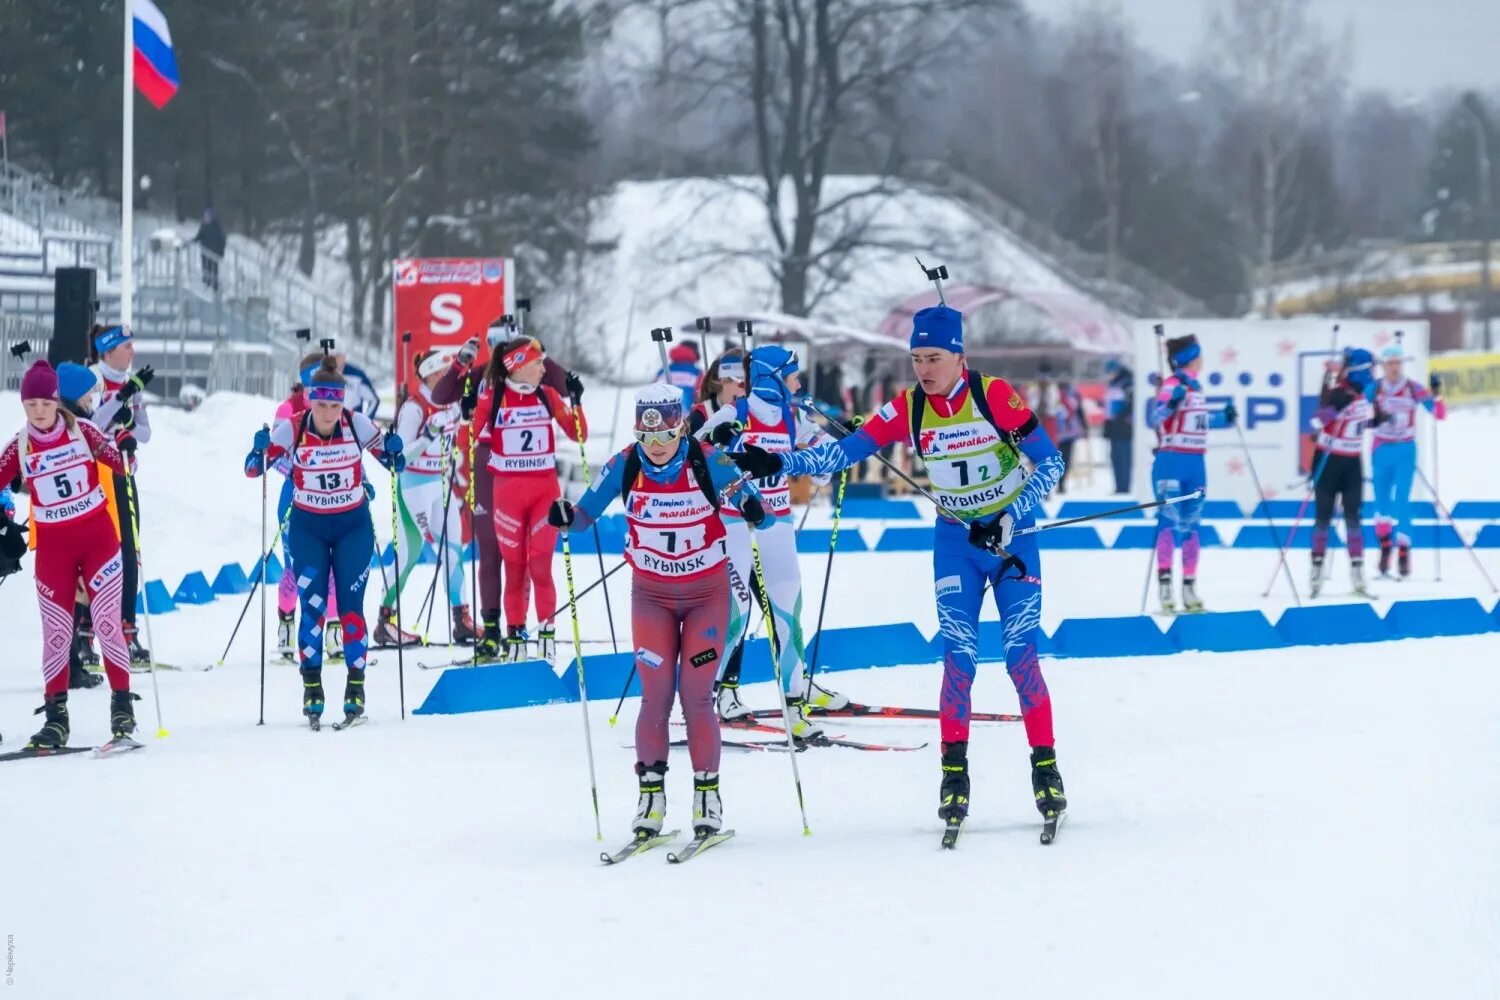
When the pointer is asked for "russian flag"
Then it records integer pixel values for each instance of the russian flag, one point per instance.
(155, 65)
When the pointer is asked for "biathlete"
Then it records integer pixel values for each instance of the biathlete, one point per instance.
(671, 488)
(330, 526)
(519, 411)
(1182, 419)
(59, 459)
(971, 431)
(1343, 414)
(429, 511)
(768, 417)
(1393, 454)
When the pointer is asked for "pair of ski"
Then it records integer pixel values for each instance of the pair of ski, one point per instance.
(779, 745)
(1050, 823)
(114, 748)
(315, 723)
(643, 842)
(855, 710)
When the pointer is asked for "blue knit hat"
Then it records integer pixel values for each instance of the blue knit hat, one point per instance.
(938, 326)
(74, 381)
(1358, 366)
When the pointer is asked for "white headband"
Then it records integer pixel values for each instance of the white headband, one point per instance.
(437, 363)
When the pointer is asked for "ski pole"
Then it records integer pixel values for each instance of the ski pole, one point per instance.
(396, 552)
(1312, 488)
(598, 545)
(583, 691)
(264, 501)
(1432, 488)
(1159, 330)
(833, 542)
(1270, 521)
(786, 714)
(135, 521)
(1437, 550)
(1166, 502)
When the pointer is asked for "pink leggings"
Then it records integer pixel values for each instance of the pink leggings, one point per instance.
(683, 620)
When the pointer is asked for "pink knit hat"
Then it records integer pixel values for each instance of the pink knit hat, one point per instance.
(39, 382)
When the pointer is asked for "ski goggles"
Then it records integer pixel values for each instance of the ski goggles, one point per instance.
(658, 423)
(325, 392)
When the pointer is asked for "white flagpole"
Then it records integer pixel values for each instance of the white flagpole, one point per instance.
(127, 175)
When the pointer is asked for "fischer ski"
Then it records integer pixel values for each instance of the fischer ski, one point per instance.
(44, 752)
(640, 845)
(772, 746)
(950, 833)
(1050, 825)
(700, 843)
(467, 661)
(350, 721)
(857, 711)
(118, 746)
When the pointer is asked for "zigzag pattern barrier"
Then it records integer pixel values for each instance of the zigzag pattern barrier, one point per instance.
(521, 685)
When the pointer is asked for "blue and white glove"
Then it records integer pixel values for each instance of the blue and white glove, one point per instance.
(391, 456)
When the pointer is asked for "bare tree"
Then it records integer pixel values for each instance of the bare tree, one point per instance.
(816, 86)
(1099, 54)
(1287, 73)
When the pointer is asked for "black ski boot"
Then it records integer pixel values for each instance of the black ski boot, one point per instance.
(312, 697)
(54, 732)
(354, 693)
(953, 795)
(140, 656)
(517, 642)
(83, 636)
(1385, 556)
(489, 643)
(78, 677)
(122, 713)
(1403, 561)
(1047, 783)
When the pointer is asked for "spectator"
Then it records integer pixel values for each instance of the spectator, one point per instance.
(1119, 402)
(211, 237)
(684, 370)
(1070, 426)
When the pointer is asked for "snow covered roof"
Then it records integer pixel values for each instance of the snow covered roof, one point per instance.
(1083, 323)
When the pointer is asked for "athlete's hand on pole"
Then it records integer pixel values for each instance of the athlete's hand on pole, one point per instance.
(993, 536)
(561, 514)
(468, 352)
(757, 461)
(755, 514)
(1230, 414)
(725, 433)
(575, 387)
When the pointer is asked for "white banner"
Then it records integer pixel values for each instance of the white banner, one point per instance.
(1272, 369)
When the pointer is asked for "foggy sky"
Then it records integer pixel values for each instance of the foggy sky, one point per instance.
(1402, 46)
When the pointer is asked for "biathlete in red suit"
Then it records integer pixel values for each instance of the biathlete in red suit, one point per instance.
(519, 412)
(58, 458)
(671, 487)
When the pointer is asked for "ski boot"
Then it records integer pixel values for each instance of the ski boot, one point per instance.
(803, 727)
(286, 636)
(516, 641)
(488, 647)
(953, 794)
(464, 632)
(1046, 783)
(708, 809)
(83, 637)
(1385, 557)
(79, 678)
(122, 714)
(651, 810)
(828, 701)
(312, 697)
(1164, 592)
(1403, 561)
(388, 633)
(729, 704)
(140, 656)
(54, 732)
(354, 693)
(546, 640)
(333, 641)
(1357, 577)
(1190, 599)
(1315, 582)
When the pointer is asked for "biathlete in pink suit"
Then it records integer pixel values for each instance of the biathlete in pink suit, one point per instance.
(59, 459)
(671, 487)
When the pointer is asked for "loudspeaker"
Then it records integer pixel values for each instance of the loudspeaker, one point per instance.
(73, 309)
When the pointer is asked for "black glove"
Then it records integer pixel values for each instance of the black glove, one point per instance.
(726, 432)
(757, 461)
(136, 383)
(1339, 397)
(755, 514)
(575, 387)
(1435, 384)
(126, 444)
(1230, 414)
(12, 540)
(470, 401)
(561, 514)
(1380, 417)
(846, 430)
(993, 536)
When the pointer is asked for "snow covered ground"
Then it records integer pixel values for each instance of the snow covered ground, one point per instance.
(1307, 822)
